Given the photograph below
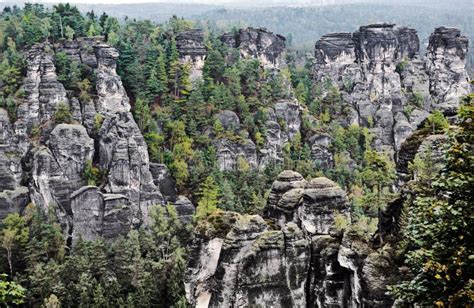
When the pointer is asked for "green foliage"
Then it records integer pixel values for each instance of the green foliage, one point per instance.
(62, 114)
(91, 174)
(401, 66)
(10, 292)
(13, 238)
(417, 99)
(98, 120)
(209, 199)
(438, 231)
(437, 122)
(145, 268)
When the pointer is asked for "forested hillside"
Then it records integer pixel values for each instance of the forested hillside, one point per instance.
(158, 164)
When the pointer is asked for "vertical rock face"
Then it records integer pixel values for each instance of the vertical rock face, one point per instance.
(259, 44)
(96, 214)
(249, 266)
(192, 50)
(298, 260)
(123, 152)
(72, 148)
(283, 125)
(446, 55)
(43, 92)
(382, 77)
(321, 199)
(51, 158)
(111, 95)
(229, 151)
(57, 168)
(10, 155)
(163, 179)
(13, 201)
(320, 150)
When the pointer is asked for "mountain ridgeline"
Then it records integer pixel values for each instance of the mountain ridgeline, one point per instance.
(160, 165)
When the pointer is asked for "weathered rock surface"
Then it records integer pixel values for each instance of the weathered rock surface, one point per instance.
(165, 182)
(10, 155)
(382, 77)
(229, 151)
(192, 50)
(446, 55)
(299, 260)
(13, 201)
(283, 125)
(111, 95)
(250, 266)
(229, 120)
(57, 169)
(320, 151)
(99, 215)
(45, 162)
(123, 152)
(259, 44)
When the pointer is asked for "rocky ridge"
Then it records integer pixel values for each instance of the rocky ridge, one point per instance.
(385, 83)
(44, 163)
(379, 79)
(292, 257)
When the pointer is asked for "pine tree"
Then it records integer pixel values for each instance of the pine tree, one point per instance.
(440, 225)
(209, 199)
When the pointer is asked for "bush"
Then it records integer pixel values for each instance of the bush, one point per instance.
(62, 114)
(437, 122)
(91, 174)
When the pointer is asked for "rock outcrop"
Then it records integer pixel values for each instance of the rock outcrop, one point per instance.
(385, 84)
(283, 124)
(191, 48)
(96, 214)
(258, 44)
(293, 258)
(45, 162)
(228, 152)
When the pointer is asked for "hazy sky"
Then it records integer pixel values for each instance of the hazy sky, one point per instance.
(191, 1)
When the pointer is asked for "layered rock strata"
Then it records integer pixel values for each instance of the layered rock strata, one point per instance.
(294, 257)
(44, 162)
(385, 84)
(259, 44)
(192, 51)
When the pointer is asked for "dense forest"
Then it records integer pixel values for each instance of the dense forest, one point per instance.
(178, 119)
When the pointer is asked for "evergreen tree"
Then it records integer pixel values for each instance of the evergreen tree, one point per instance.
(209, 199)
(439, 230)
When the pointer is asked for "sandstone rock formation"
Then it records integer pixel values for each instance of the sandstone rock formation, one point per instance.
(45, 162)
(192, 50)
(283, 125)
(259, 44)
(298, 260)
(385, 82)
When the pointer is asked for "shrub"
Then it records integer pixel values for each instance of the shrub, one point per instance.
(437, 122)
(62, 114)
(91, 174)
